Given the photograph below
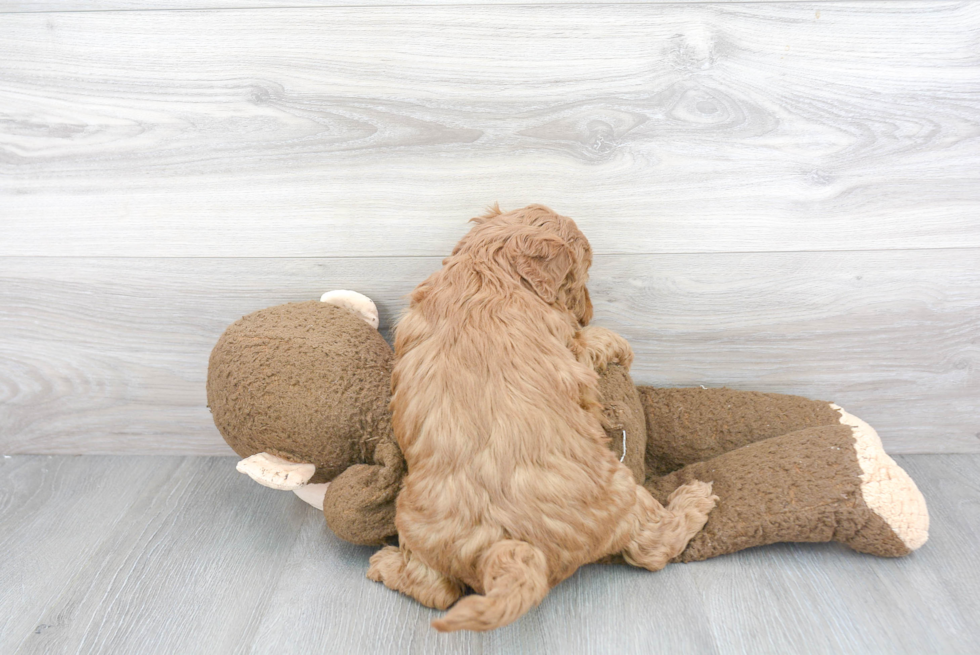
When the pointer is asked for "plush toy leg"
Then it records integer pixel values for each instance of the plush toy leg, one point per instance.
(885, 486)
(356, 302)
(691, 425)
(359, 504)
(808, 485)
(276, 472)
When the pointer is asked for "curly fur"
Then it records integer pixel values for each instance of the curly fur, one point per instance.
(511, 485)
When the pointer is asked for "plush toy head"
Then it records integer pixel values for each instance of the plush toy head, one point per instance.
(307, 382)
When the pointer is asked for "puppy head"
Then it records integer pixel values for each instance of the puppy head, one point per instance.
(544, 250)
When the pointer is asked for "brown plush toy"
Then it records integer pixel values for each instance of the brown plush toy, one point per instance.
(301, 392)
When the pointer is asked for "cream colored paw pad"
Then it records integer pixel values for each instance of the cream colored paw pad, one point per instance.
(276, 472)
(887, 489)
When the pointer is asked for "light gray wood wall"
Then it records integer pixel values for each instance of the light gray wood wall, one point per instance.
(782, 196)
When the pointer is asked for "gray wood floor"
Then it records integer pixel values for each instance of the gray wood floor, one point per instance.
(183, 555)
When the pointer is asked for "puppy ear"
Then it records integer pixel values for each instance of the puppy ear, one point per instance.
(543, 260)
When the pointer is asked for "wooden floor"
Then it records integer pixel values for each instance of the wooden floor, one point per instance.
(184, 555)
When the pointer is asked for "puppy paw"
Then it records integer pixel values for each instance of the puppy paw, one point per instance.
(385, 564)
(412, 577)
(598, 347)
(694, 501)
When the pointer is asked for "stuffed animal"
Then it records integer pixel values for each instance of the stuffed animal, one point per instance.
(300, 392)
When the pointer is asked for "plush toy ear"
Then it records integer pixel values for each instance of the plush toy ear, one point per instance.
(543, 260)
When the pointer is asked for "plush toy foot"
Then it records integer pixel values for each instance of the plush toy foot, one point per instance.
(276, 472)
(827, 483)
(313, 494)
(886, 488)
(356, 302)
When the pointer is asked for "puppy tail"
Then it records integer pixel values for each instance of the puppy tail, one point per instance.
(515, 579)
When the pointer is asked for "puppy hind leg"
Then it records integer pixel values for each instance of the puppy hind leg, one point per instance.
(398, 569)
(661, 533)
(515, 579)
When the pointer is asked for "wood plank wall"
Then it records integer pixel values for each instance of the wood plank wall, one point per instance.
(781, 196)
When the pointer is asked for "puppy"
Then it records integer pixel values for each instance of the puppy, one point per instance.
(511, 486)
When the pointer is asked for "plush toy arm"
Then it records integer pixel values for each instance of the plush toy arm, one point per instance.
(691, 425)
(827, 483)
(359, 504)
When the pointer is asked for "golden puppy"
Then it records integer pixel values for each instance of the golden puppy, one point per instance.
(511, 486)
